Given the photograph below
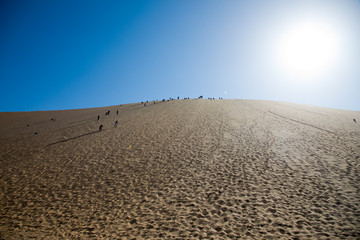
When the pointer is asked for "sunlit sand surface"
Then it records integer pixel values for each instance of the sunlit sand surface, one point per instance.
(196, 169)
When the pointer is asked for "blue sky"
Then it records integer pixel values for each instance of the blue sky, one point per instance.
(79, 54)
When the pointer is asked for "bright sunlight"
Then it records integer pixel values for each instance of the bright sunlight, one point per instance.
(309, 49)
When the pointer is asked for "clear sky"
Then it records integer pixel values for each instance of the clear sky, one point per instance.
(79, 54)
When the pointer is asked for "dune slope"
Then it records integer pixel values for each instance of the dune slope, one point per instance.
(182, 169)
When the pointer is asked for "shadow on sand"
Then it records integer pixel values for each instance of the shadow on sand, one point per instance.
(65, 140)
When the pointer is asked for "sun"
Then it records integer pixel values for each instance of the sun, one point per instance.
(307, 49)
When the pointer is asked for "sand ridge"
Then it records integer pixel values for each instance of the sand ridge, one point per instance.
(196, 169)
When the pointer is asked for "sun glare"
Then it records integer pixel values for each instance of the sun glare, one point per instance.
(307, 50)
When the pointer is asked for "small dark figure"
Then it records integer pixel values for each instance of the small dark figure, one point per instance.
(154, 102)
(354, 120)
(53, 119)
(35, 134)
(28, 125)
(117, 112)
(144, 104)
(200, 97)
(178, 98)
(101, 127)
(98, 117)
(116, 123)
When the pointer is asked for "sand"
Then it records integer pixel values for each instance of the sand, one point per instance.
(182, 169)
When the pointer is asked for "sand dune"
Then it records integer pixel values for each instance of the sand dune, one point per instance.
(196, 169)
